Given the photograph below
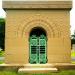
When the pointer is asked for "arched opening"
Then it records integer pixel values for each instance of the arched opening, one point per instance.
(37, 31)
(38, 46)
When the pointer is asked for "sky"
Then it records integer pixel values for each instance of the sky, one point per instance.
(72, 15)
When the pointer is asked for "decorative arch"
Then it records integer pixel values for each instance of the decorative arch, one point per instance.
(52, 30)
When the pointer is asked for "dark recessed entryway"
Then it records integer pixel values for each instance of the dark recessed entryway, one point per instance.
(38, 46)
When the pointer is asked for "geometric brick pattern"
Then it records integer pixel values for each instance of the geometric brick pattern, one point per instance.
(19, 24)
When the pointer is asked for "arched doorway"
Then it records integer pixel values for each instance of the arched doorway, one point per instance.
(38, 46)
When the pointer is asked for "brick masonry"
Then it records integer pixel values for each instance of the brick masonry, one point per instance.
(20, 22)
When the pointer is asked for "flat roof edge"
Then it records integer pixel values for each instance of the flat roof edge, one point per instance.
(37, 4)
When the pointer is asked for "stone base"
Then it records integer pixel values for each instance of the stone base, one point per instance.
(38, 68)
(53, 67)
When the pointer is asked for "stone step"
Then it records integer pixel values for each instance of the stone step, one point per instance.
(37, 70)
(38, 66)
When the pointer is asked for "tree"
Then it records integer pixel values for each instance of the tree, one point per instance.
(2, 32)
(73, 39)
(73, 36)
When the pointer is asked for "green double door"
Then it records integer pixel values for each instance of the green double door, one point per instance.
(38, 50)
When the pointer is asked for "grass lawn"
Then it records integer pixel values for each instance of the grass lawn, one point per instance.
(73, 54)
(66, 72)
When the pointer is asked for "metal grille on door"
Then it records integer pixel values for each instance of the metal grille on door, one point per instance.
(38, 49)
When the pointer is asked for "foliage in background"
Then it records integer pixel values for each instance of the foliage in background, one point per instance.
(1, 53)
(73, 36)
(73, 39)
(2, 32)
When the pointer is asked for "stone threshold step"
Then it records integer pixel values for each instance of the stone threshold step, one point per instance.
(38, 66)
(29, 70)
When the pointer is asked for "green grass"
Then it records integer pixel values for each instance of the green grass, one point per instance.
(73, 62)
(73, 54)
(66, 72)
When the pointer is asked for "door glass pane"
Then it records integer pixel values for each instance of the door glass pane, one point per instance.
(42, 49)
(33, 49)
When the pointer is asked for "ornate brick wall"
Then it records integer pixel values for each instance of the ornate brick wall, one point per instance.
(19, 23)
